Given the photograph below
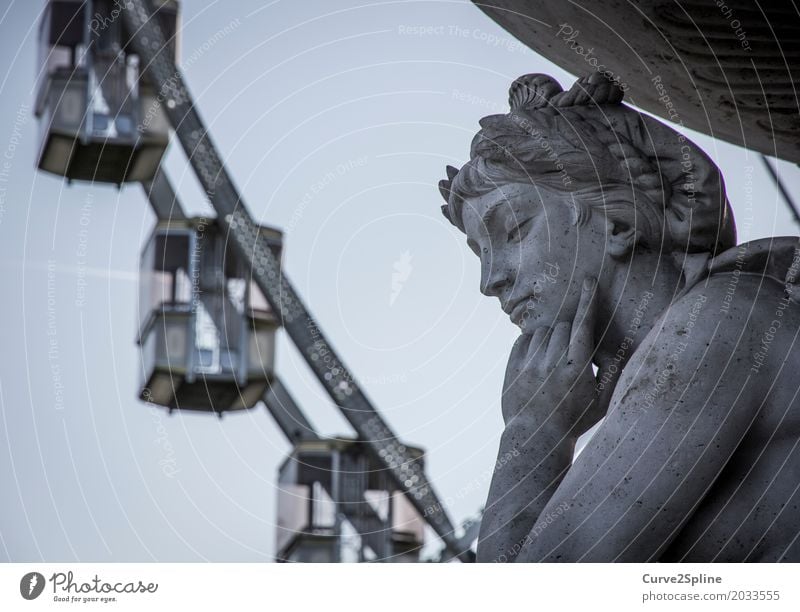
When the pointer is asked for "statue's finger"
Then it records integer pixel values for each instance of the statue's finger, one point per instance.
(539, 342)
(559, 342)
(581, 343)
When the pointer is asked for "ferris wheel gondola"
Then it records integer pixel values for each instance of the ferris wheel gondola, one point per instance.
(99, 115)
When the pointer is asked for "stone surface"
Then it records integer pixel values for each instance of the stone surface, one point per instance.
(607, 238)
(727, 69)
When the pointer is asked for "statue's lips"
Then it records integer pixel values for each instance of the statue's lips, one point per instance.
(516, 309)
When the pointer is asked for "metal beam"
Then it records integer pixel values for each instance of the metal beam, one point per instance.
(782, 189)
(287, 414)
(162, 197)
(148, 41)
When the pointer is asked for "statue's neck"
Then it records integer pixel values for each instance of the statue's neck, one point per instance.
(636, 296)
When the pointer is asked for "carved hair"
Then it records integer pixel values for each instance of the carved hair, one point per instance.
(586, 143)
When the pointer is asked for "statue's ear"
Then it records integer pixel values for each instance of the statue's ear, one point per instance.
(621, 237)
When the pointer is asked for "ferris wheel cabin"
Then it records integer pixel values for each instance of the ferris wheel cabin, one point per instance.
(100, 115)
(320, 479)
(206, 331)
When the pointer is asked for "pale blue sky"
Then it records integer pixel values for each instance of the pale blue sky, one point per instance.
(336, 120)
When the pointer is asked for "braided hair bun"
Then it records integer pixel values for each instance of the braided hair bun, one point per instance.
(585, 140)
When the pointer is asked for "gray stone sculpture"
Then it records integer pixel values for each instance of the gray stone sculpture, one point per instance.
(608, 239)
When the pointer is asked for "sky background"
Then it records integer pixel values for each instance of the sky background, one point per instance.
(336, 120)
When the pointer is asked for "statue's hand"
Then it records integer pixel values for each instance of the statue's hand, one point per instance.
(549, 373)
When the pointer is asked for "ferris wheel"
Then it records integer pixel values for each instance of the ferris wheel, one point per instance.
(213, 292)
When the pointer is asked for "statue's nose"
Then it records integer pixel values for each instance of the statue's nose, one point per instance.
(495, 278)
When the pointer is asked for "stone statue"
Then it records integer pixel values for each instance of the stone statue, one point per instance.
(608, 239)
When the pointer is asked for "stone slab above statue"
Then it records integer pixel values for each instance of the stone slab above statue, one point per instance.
(608, 239)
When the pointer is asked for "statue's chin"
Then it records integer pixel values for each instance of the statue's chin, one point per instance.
(531, 322)
(529, 317)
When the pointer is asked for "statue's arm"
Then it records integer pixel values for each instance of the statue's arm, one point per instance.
(533, 458)
(678, 413)
(549, 399)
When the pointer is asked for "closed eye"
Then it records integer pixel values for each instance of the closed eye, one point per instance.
(473, 245)
(519, 231)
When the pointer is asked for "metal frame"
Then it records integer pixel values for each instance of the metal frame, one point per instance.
(279, 402)
(148, 41)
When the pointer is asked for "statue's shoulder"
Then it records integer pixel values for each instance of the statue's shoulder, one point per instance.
(728, 303)
(741, 274)
(766, 257)
(742, 286)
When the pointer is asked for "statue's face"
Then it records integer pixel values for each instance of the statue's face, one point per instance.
(534, 258)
